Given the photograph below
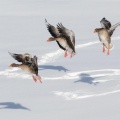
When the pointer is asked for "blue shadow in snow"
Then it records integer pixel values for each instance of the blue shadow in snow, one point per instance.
(59, 68)
(84, 77)
(12, 105)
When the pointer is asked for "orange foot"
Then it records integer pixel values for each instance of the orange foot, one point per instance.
(34, 79)
(39, 78)
(65, 54)
(71, 54)
(108, 52)
(103, 48)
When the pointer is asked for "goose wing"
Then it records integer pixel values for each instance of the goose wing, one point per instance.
(66, 32)
(53, 30)
(24, 58)
(68, 35)
(111, 30)
(105, 24)
(34, 65)
(35, 60)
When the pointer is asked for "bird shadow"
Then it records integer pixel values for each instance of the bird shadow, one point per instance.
(86, 78)
(12, 105)
(53, 67)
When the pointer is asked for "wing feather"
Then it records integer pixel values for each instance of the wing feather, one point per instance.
(53, 31)
(67, 34)
(111, 30)
(105, 24)
(24, 58)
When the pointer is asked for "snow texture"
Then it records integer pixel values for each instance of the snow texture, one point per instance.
(85, 87)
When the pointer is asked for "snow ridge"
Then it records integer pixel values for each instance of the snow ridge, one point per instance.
(76, 96)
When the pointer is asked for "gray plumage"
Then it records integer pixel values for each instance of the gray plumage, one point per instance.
(107, 25)
(68, 35)
(105, 34)
(28, 64)
(104, 37)
(24, 58)
(63, 36)
(54, 32)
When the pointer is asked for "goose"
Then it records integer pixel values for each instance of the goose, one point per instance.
(64, 37)
(28, 64)
(105, 33)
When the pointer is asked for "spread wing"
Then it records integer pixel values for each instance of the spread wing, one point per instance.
(66, 32)
(53, 30)
(105, 24)
(111, 30)
(34, 64)
(68, 35)
(24, 58)
(35, 60)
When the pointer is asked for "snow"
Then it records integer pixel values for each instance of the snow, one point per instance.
(85, 87)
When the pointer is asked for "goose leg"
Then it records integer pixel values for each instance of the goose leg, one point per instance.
(71, 54)
(34, 78)
(103, 48)
(108, 53)
(39, 78)
(65, 54)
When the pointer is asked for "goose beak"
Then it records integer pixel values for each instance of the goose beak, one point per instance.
(10, 65)
(48, 40)
(94, 31)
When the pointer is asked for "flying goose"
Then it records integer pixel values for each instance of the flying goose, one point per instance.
(105, 34)
(64, 37)
(28, 64)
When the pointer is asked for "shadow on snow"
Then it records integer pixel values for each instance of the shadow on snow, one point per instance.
(59, 68)
(86, 78)
(12, 105)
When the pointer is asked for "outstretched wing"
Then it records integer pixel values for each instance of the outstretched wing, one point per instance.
(68, 35)
(53, 31)
(105, 24)
(24, 58)
(66, 32)
(111, 30)
(34, 64)
(35, 60)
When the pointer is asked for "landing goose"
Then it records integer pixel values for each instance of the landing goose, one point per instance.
(105, 34)
(63, 36)
(28, 64)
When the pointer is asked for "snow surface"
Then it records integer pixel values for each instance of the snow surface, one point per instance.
(86, 87)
